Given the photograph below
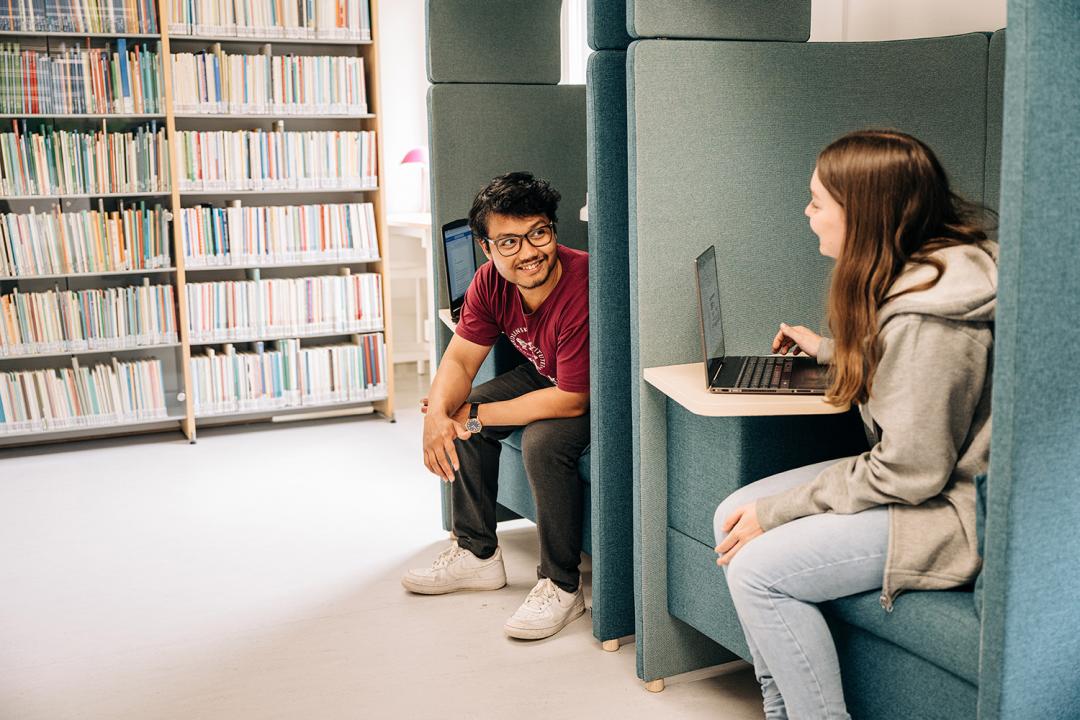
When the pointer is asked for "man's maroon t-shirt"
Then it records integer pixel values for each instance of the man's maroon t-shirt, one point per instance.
(555, 338)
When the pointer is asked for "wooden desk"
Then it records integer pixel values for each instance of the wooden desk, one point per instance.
(685, 384)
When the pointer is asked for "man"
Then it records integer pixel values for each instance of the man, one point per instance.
(536, 293)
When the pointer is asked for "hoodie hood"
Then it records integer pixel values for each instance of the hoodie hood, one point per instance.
(966, 292)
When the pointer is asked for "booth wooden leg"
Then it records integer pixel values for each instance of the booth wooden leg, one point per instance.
(655, 686)
(610, 645)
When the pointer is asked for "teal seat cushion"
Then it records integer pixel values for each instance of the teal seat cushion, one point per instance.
(939, 626)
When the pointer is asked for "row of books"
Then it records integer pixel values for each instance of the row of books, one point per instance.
(277, 160)
(278, 234)
(76, 397)
(269, 19)
(78, 320)
(79, 16)
(85, 241)
(234, 310)
(51, 161)
(287, 375)
(217, 82)
(80, 80)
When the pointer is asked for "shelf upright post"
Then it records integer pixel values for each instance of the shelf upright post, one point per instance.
(370, 53)
(188, 423)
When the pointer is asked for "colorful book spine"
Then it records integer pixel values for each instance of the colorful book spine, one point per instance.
(277, 235)
(288, 375)
(87, 241)
(226, 160)
(345, 20)
(266, 309)
(76, 397)
(79, 16)
(63, 162)
(60, 321)
(217, 82)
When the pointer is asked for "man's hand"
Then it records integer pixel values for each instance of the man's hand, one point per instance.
(794, 338)
(440, 455)
(742, 527)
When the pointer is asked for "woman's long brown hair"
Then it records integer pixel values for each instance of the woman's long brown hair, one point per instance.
(898, 209)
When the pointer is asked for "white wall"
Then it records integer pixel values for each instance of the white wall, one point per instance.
(403, 83)
(836, 20)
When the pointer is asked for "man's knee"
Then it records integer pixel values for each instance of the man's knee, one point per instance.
(544, 444)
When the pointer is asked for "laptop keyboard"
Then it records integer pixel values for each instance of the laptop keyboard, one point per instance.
(766, 373)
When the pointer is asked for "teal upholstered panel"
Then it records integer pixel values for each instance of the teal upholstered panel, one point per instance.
(609, 339)
(607, 25)
(723, 156)
(871, 669)
(1030, 649)
(698, 593)
(995, 96)
(941, 627)
(719, 19)
(710, 458)
(493, 41)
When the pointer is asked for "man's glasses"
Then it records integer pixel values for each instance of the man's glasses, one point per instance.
(510, 245)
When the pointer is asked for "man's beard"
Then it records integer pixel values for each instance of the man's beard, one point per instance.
(539, 281)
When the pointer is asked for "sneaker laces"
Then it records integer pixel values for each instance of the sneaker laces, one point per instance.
(541, 596)
(448, 556)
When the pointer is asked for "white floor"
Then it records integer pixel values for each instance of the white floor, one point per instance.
(255, 575)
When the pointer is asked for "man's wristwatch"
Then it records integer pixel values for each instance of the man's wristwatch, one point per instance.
(473, 424)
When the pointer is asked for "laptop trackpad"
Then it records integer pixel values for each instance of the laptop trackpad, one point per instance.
(808, 375)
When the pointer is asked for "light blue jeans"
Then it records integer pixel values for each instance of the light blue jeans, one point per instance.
(775, 581)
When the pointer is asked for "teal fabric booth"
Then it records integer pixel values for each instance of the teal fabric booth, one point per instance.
(722, 137)
(494, 106)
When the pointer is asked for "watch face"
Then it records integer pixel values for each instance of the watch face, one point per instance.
(473, 425)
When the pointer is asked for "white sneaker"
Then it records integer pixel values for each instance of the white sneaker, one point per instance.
(546, 611)
(457, 569)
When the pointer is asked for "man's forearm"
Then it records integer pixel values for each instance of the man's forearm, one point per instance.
(533, 406)
(449, 389)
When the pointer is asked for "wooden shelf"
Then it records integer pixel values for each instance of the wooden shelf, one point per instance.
(80, 36)
(85, 116)
(79, 353)
(88, 196)
(103, 273)
(271, 266)
(248, 193)
(270, 116)
(269, 40)
(288, 336)
(685, 384)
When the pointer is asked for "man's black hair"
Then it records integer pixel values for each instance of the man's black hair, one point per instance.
(517, 194)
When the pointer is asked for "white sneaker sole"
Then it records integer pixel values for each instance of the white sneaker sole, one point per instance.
(458, 586)
(534, 633)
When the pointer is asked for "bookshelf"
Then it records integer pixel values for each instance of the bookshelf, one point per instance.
(306, 220)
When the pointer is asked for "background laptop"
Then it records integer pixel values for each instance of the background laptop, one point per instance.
(460, 262)
(754, 374)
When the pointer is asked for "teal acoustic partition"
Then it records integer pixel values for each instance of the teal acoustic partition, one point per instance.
(493, 41)
(607, 25)
(787, 20)
(995, 98)
(723, 155)
(1030, 650)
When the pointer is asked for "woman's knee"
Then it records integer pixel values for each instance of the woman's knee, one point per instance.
(724, 510)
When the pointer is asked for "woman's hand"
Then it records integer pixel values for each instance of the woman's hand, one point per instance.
(741, 527)
(795, 338)
(440, 455)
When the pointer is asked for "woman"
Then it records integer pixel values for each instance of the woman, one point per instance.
(911, 310)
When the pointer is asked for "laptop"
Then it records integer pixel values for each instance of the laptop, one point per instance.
(460, 263)
(772, 374)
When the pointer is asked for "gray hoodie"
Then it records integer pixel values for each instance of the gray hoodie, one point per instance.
(929, 419)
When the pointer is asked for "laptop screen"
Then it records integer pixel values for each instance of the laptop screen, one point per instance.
(460, 260)
(712, 327)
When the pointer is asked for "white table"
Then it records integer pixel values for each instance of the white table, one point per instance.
(418, 225)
